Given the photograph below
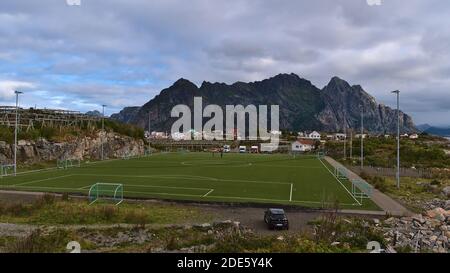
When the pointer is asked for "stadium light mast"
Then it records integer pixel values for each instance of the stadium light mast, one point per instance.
(15, 131)
(397, 92)
(103, 127)
(351, 143)
(362, 137)
(345, 137)
(149, 132)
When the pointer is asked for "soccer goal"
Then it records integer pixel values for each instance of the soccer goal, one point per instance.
(68, 163)
(320, 155)
(341, 173)
(106, 191)
(126, 156)
(6, 170)
(182, 151)
(147, 153)
(361, 189)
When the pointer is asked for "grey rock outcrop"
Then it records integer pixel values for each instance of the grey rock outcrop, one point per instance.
(85, 148)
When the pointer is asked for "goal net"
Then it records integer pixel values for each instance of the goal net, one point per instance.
(127, 156)
(68, 163)
(341, 173)
(320, 155)
(361, 189)
(6, 170)
(106, 191)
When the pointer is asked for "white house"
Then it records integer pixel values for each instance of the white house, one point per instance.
(339, 136)
(314, 135)
(177, 136)
(302, 145)
(359, 136)
(414, 136)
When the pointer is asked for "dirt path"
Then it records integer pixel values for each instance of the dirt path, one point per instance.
(386, 203)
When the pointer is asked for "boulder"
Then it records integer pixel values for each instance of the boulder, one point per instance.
(446, 191)
(437, 213)
(419, 219)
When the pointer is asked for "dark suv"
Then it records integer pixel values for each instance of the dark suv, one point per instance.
(276, 218)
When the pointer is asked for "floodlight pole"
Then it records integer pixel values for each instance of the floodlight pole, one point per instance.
(398, 136)
(351, 144)
(345, 137)
(15, 131)
(362, 138)
(103, 128)
(149, 132)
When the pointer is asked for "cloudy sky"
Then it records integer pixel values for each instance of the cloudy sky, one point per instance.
(123, 52)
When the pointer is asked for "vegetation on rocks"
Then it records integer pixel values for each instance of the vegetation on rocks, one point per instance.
(425, 152)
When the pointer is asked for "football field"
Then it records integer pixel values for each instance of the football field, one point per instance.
(251, 178)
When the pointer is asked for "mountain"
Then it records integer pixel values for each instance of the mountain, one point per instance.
(303, 106)
(438, 131)
(94, 113)
(423, 127)
(127, 114)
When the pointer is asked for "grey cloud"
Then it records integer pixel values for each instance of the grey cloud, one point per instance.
(123, 52)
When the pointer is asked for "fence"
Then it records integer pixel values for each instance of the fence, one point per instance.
(404, 172)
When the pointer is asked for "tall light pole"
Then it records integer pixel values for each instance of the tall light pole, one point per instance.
(149, 132)
(15, 131)
(351, 143)
(103, 126)
(345, 137)
(398, 136)
(362, 138)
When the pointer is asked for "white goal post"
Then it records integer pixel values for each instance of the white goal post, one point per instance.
(106, 191)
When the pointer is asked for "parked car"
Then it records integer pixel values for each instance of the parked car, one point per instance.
(276, 219)
(226, 148)
(242, 149)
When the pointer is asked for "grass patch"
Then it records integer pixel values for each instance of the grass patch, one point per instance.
(247, 178)
(47, 211)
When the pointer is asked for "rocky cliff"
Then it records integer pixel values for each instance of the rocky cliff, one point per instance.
(302, 105)
(30, 152)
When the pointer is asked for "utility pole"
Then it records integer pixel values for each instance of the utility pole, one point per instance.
(345, 137)
(15, 131)
(103, 128)
(362, 138)
(351, 144)
(149, 132)
(398, 136)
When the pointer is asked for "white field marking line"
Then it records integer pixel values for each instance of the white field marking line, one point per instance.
(243, 164)
(208, 193)
(275, 166)
(38, 170)
(189, 178)
(41, 180)
(340, 183)
(274, 200)
(290, 196)
(152, 186)
(50, 188)
(163, 193)
(186, 177)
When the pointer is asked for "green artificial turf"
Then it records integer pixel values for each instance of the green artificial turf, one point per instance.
(255, 178)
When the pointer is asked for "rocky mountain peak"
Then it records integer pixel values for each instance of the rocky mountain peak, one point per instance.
(302, 105)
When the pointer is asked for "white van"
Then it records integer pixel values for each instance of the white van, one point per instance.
(226, 148)
(242, 149)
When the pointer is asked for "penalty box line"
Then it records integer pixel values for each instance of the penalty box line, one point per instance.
(41, 180)
(188, 177)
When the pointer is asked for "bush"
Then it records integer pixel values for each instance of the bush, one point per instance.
(138, 218)
(37, 242)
